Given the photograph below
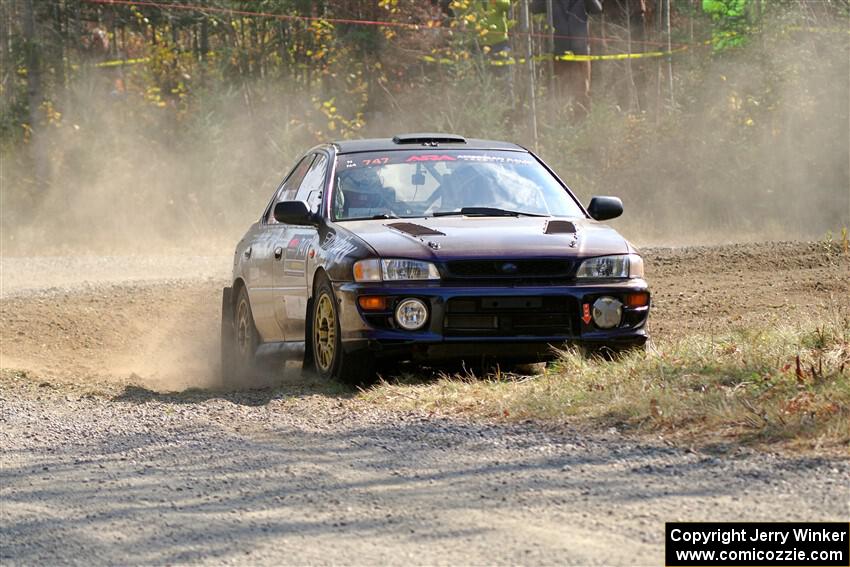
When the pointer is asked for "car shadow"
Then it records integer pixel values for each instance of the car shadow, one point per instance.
(258, 391)
(294, 382)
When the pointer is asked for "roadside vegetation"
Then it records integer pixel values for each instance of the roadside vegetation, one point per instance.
(787, 385)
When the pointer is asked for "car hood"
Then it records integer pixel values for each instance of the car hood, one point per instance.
(446, 238)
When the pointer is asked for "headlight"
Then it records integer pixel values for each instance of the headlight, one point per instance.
(604, 267)
(375, 270)
(367, 270)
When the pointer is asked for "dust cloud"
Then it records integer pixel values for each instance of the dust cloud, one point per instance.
(756, 148)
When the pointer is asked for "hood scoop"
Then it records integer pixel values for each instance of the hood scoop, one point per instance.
(414, 229)
(560, 227)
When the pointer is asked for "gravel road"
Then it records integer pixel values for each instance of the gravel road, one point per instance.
(112, 454)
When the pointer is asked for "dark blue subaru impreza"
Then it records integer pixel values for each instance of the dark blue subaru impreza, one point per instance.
(430, 248)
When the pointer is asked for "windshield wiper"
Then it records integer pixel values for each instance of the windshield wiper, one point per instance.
(485, 212)
(382, 216)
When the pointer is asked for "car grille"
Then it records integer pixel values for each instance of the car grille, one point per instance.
(509, 269)
(509, 316)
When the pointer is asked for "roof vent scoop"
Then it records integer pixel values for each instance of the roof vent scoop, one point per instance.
(428, 139)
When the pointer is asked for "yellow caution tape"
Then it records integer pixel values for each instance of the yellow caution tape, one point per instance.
(500, 61)
(119, 62)
(816, 30)
(566, 57)
(619, 56)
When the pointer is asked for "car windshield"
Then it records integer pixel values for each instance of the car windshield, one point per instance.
(425, 183)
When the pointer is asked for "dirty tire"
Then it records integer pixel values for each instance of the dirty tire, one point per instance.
(329, 359)
(239, 342)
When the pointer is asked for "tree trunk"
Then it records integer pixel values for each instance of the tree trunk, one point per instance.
(204, 45)
(33, 63)
(205, 38)
(34, 99)
(6, 67)
(525, 28)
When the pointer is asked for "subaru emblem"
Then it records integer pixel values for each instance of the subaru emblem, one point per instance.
(509, 268)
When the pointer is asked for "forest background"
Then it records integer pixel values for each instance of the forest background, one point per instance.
(140, 126)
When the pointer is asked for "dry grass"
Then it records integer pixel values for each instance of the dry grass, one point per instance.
(788, 385)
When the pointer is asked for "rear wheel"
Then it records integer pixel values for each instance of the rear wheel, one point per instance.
(239, 341)
(330, 360)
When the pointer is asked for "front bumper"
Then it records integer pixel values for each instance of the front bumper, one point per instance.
(534, 319)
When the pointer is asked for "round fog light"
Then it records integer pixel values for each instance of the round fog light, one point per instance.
(607, 312)
(411, 314)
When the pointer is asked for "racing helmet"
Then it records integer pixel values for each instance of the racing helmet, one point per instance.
(467, 186)
(360, 188)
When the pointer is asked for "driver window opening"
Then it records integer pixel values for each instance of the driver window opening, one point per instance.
(290, 187)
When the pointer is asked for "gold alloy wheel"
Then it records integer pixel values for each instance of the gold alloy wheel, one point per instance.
(324, 332)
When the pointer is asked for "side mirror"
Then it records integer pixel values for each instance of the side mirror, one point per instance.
(294, 212)
(604, 208)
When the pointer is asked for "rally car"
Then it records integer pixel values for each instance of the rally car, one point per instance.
(428, 248)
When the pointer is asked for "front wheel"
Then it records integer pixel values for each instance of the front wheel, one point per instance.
(330, 360)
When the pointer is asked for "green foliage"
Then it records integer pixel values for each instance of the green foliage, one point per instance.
(730, 17)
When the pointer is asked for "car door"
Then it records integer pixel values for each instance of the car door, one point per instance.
(270, 234)
(290, 271)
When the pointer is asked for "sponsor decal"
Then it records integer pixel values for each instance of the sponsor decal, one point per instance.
(336, 247)
(298, 246)
(430, 157)
(296, 252)
(495, 159)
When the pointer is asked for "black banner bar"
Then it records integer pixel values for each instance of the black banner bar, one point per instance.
(762, 544)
